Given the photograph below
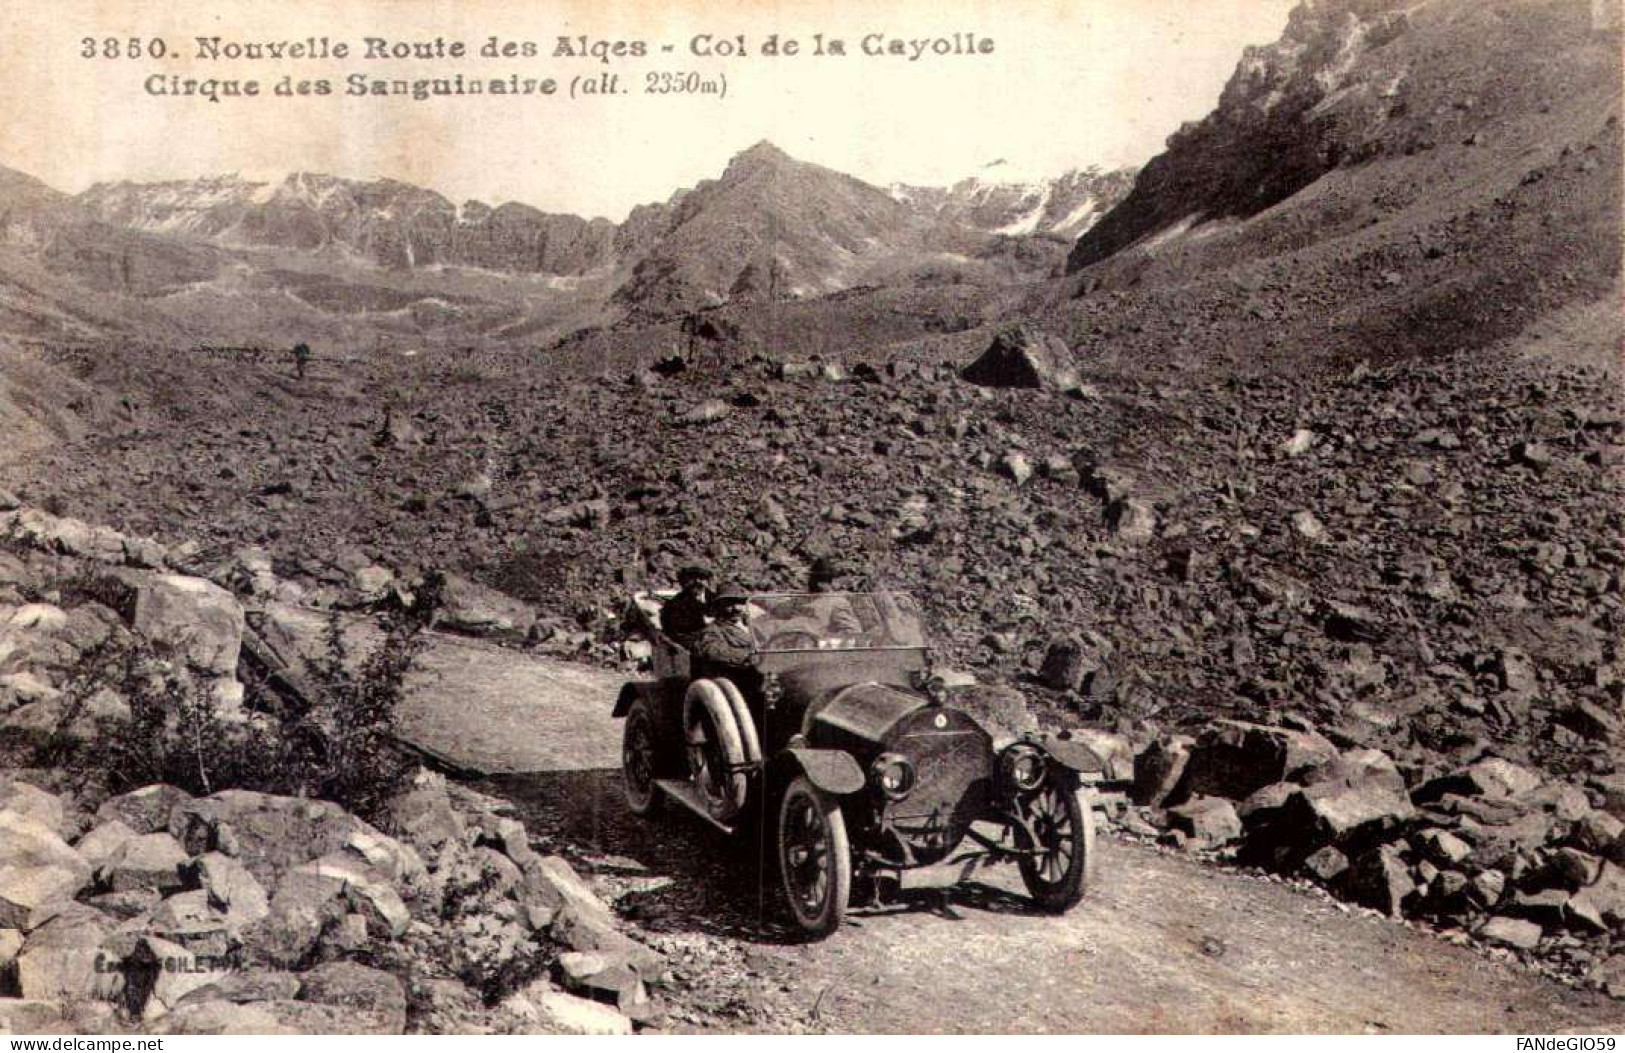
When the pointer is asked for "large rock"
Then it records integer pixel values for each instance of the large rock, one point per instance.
(63, 958)
(147, 810)
(1492, 777)
(567, 1014)
(25, 799)
(145, 861)
(1380, 879)
(470, 607)
(197, 617)
(368, 893)
(1511, 932)
(355, 986)
(1352, 803)
(36, 868)
(1158, 769)
(1207, 822)
(1066, 662)
(106, 838)
(1131, 521)
(268, 834)
(304, 905)
(1232, 758)
(231, 888)
(1023, 358)
(172, 971)
(1601, 905)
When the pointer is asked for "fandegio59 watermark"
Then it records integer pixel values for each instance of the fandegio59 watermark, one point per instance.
(1566, 1043)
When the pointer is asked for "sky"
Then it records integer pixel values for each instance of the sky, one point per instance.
(1068, 83)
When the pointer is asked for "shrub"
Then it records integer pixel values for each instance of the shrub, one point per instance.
(337, 743)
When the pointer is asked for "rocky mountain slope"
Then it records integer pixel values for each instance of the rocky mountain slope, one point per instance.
(1442, 98)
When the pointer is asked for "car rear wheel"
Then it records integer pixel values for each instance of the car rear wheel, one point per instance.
(815, 860)
(1057, 872)
(640, 760)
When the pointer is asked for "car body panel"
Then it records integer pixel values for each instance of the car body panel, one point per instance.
(833, 771)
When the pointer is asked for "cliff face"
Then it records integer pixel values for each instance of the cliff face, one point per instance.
(1291, 111)
(389, 223)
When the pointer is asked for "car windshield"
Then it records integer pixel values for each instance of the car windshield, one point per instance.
(835, 621)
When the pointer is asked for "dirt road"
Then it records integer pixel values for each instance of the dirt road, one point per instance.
(1161, 944)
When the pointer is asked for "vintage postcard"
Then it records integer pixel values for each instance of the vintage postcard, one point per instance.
(1051, 517)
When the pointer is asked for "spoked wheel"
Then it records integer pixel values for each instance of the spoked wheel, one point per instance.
(815, 861)
(639, 760)
(1063, 822)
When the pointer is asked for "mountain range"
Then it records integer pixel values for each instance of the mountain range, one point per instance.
(229, 258)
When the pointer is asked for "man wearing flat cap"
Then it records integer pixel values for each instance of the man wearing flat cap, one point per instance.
(683, 616)
(726, 645)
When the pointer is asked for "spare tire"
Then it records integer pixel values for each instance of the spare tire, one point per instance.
(715, 750)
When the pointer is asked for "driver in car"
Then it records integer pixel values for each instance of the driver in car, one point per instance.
(726, 644)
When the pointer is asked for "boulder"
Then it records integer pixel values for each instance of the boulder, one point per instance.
(467, 606)
(1158, 769)
(268, 834)
(197, 617)
(1023, 358)
(367, 892)
(63, 958)
(146, 810)
(1207, 822)
(1443, 847)
(231, 888)
(34, 1016)
(1131, 521)
(145, 861)
(1601, 905)
(1511, 932)
(567, 1014)
(248, 985)
(707, 411)
(36, 868)
(22, 798)
(1066, 662)
(302, 907)
(1326, 865)
(355, 986)
(1379, 879)
(1492, 777)
(424, 817)
(1115, 752)
(171, 972)
(189, 919)
(1232, 758)
(222, 1017)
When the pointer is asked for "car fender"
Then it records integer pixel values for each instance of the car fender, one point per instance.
(633, 690)
(1073, 755)
(833, 771)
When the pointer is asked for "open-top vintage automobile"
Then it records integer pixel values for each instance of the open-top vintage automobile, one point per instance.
(837, 742)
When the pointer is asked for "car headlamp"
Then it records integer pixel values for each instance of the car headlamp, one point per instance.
(893, 775)
(1023, 766)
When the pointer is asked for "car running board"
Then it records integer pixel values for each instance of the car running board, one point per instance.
(685, 794)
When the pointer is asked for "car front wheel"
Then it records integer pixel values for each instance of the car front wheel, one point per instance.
(815, 861)
(1056, 867)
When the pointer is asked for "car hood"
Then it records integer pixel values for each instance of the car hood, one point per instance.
(868, 710)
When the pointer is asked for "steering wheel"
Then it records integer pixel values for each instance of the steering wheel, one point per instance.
(793, 640)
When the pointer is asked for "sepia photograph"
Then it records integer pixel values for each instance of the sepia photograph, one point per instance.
(633, 518)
